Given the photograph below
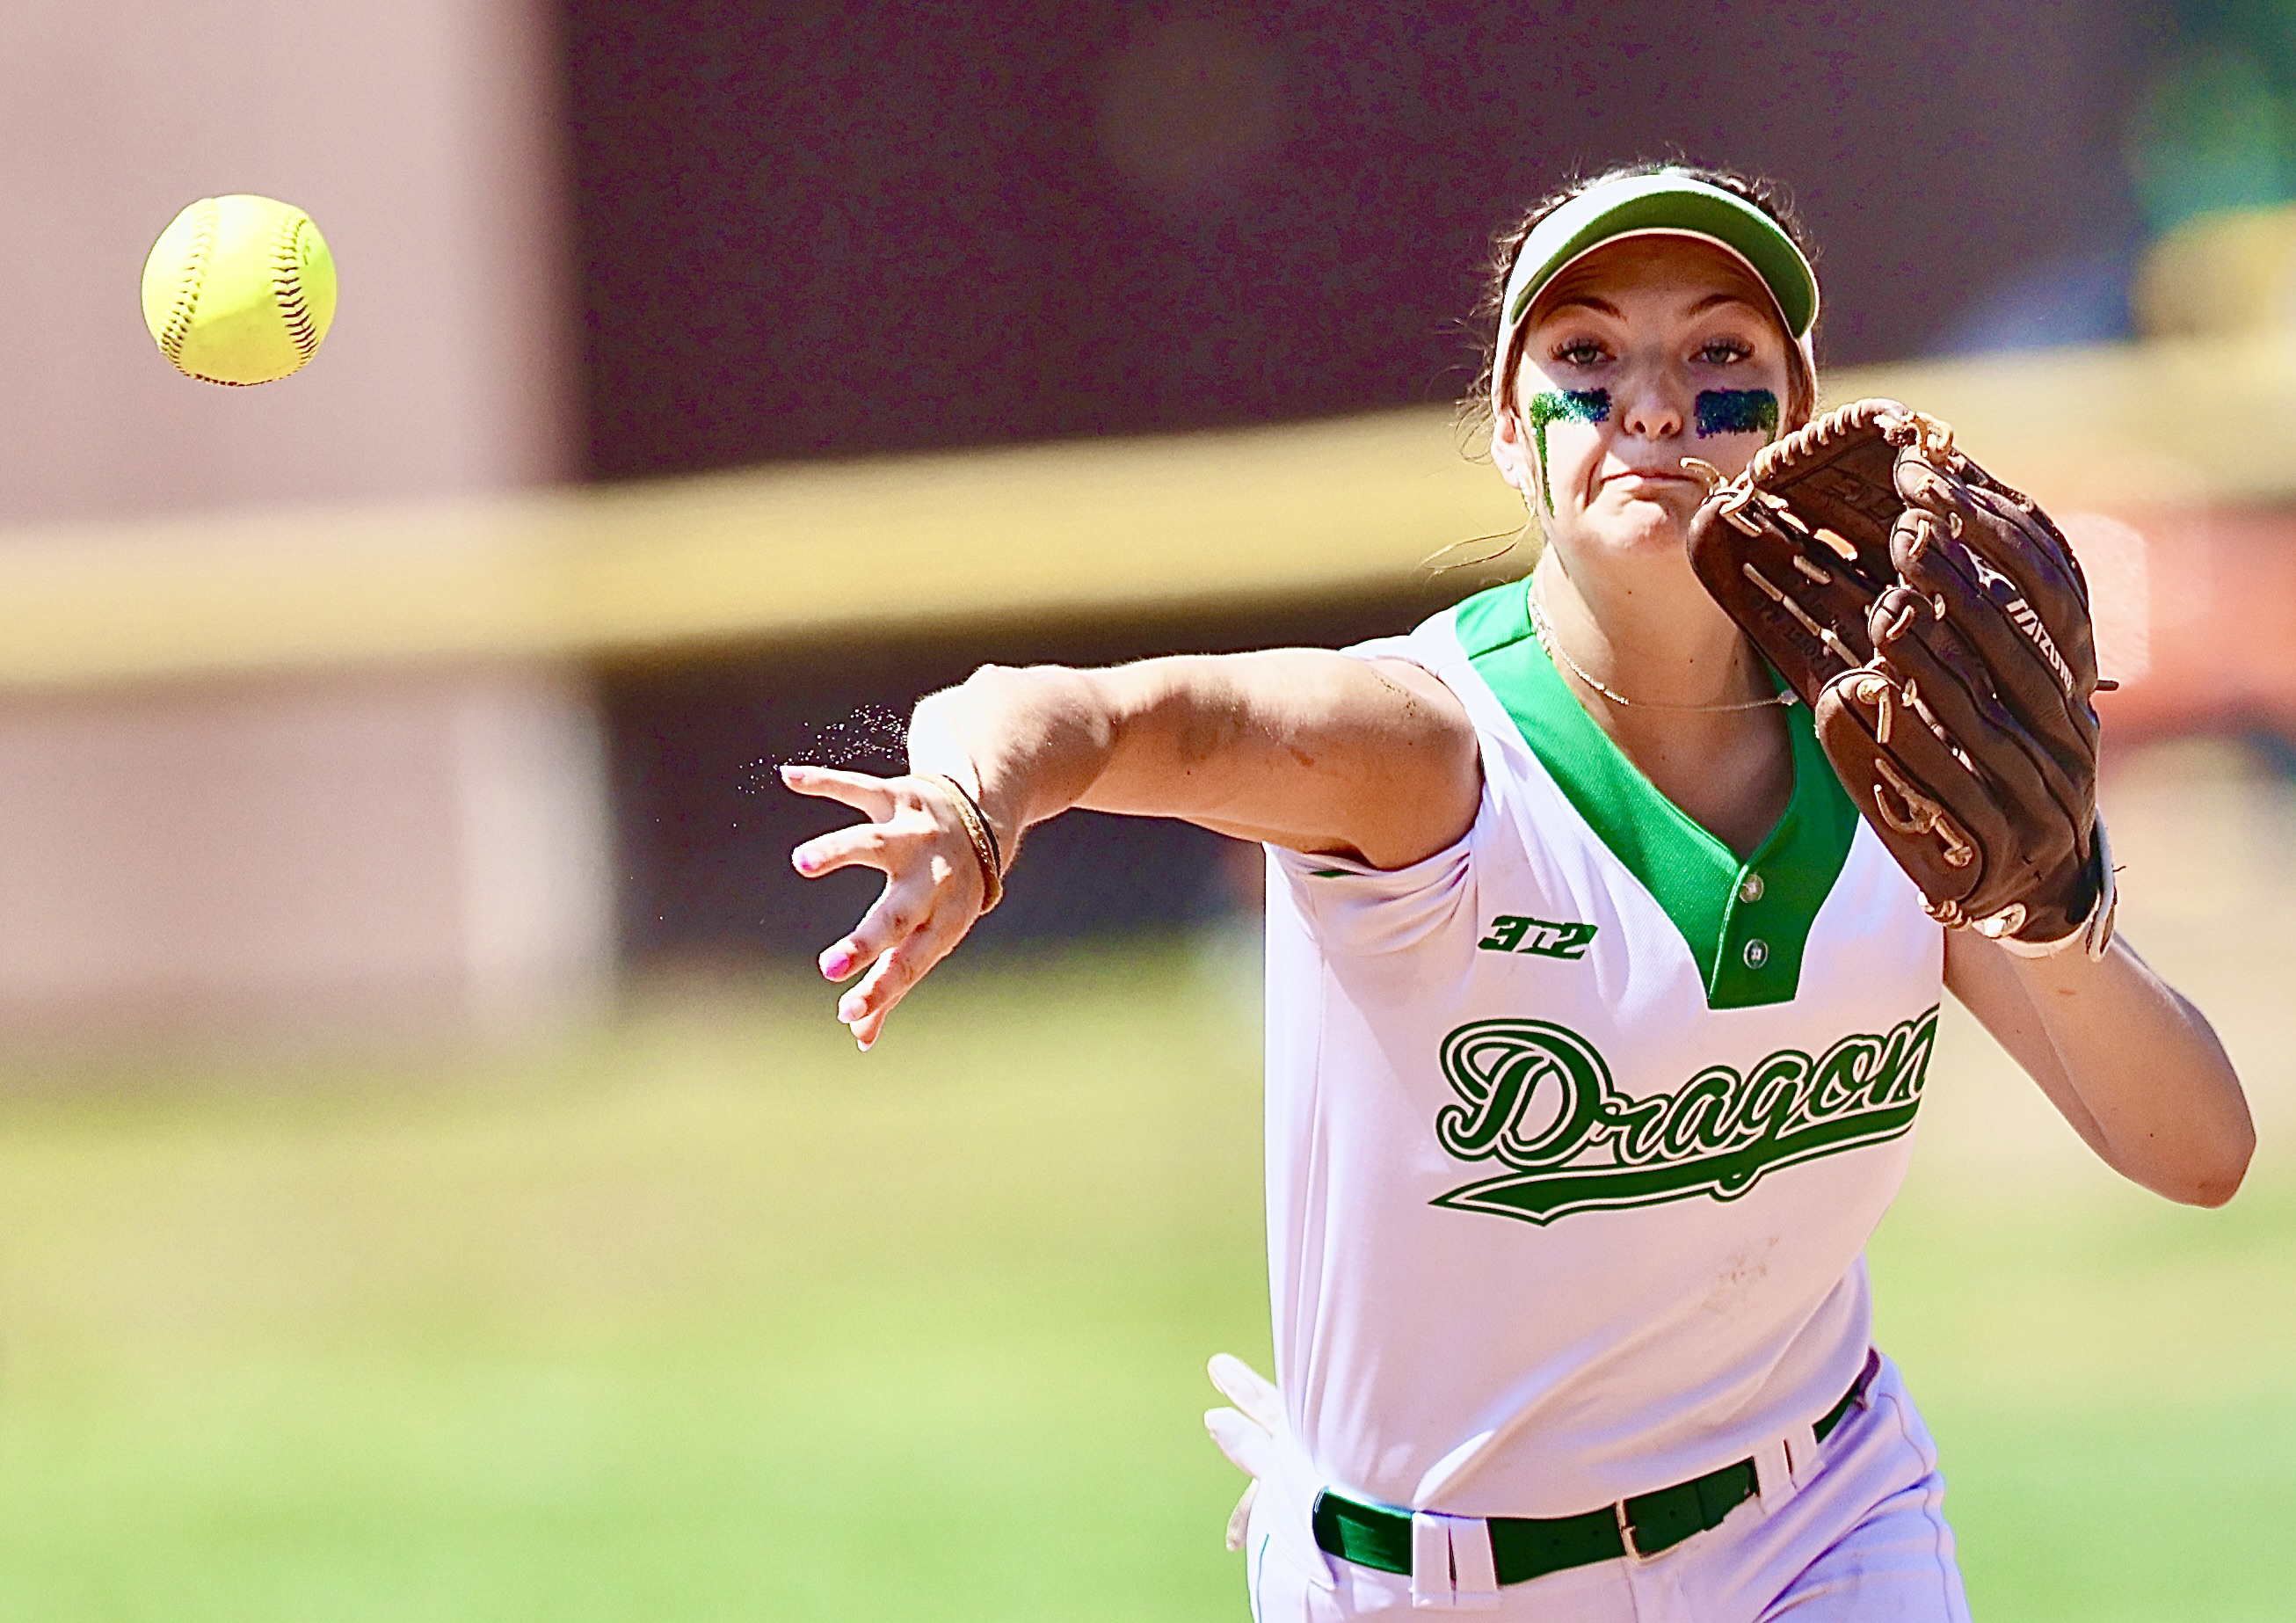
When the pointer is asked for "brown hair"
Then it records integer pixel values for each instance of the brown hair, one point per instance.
(1765, 194)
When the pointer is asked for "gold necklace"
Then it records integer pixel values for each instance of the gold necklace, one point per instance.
(1553, 644)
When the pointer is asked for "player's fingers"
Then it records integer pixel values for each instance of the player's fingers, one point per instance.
(867, 1030)
(1245, 1442)
(862, 845)
(870, 796)
(1248, 1389)
(866, 1006)
(1239, 1520)
(901, 908)
(869, 994)
(904, 962)
(937, 887)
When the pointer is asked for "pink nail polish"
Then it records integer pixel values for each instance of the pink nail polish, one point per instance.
(837, 967)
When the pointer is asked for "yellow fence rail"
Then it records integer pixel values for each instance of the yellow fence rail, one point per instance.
(983, 538)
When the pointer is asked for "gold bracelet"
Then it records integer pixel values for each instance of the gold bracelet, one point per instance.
(983, 838)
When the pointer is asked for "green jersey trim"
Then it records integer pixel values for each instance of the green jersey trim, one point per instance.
(1745, 923)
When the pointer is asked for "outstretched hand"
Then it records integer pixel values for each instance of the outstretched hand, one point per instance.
(934, 886)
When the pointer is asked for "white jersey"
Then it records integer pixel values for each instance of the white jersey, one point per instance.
(1577, 1130)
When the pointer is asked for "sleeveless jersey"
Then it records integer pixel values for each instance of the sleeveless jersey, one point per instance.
(1577, 1130)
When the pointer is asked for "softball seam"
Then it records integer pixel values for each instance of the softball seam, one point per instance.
(287, 289)
(178, 325)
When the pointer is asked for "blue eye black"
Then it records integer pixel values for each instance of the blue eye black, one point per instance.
(1736, 411)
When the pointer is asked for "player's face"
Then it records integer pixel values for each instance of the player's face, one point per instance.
(1649, 350)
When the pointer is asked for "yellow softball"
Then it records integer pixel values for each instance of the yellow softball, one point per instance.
(238, 290)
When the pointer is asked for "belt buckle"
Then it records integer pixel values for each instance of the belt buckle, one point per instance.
(1626, 1535)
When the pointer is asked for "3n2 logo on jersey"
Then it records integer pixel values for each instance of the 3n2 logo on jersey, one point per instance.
(1512, 933)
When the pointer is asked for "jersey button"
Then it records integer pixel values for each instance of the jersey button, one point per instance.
(1750, 889)
(1758, 953)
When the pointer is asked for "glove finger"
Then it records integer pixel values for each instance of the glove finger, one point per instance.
(2033, 686)
(1239, 1520)
(1248, 1389)
(2027, 547)
(2043, 560)
(2022, 552)
(1926, 805)
(2041, 557)
(1242, 1440)
(1948, 691)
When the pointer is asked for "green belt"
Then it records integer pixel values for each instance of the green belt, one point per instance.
(1525, 1547)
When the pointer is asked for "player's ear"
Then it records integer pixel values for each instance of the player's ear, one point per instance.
(1510, 451)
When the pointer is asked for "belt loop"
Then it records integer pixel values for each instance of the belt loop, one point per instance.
(1800, 1449)
(1452, 1568)
(1431, 1561)
(1774, 1471)
(1475, 1566)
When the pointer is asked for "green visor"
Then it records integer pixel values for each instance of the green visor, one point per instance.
(1668, 203)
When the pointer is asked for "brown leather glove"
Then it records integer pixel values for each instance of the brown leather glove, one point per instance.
(1937, 625)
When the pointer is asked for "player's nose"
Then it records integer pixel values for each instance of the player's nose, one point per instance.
(1651, 409)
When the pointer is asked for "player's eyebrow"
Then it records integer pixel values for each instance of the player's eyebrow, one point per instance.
(1589, 300)
(1713, 299)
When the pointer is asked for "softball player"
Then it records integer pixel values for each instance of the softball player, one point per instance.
(1598, 1021)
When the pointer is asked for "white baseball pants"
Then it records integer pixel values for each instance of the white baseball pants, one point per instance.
(1863, 1540)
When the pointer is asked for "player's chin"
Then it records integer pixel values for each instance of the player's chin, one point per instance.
(1652, 517)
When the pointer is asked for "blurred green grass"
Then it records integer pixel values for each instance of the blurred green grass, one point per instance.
(705, 1316)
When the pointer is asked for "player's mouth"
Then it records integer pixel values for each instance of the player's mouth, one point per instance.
(1631, 477)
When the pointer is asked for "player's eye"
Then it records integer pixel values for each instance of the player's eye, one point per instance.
(1724, 351)
(1579, 352)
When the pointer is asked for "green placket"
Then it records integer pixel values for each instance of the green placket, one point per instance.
(1746, 923)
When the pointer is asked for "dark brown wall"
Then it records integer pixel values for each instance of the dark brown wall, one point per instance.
(811, 229)
(706, 828)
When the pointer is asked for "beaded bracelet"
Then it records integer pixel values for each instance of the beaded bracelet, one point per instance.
(983, 838)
